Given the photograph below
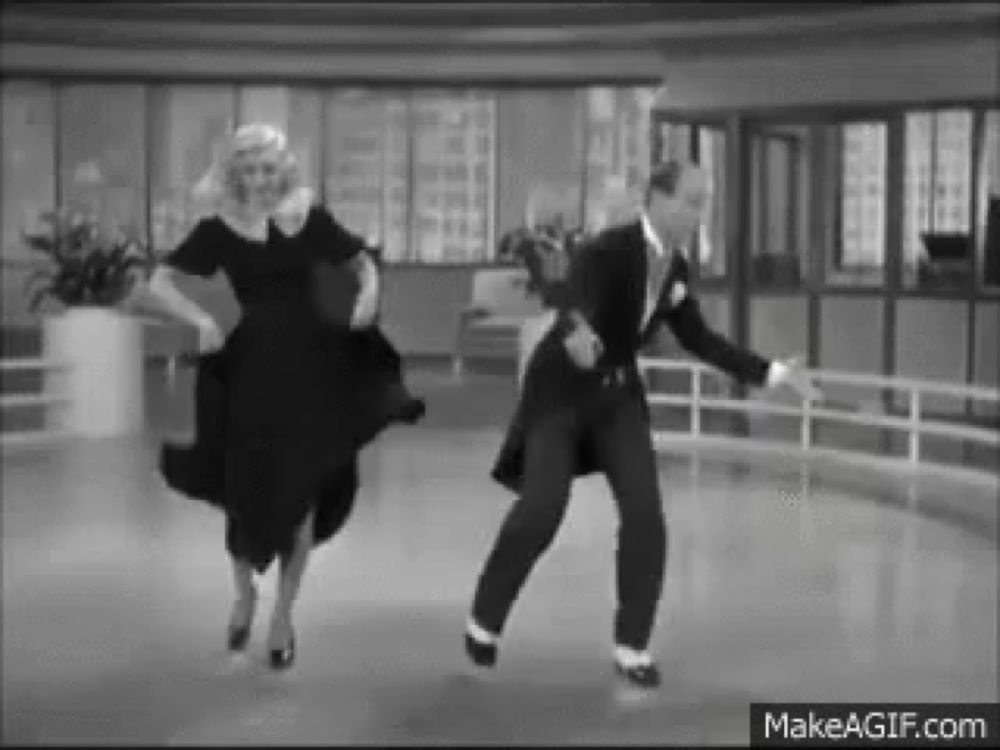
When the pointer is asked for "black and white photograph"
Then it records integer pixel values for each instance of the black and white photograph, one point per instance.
(500, 373)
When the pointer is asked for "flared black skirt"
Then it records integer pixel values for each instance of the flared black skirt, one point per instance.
(281, 413)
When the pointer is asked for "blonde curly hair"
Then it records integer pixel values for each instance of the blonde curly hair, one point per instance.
(223, 183)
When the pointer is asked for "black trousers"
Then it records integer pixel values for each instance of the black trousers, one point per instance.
(619, 434)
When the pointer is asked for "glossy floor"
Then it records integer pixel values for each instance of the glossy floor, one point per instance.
(782, 584)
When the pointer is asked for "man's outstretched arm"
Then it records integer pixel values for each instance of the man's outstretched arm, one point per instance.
(685, 320)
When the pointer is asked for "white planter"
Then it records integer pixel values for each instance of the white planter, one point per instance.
(533, 329)
(102, 375)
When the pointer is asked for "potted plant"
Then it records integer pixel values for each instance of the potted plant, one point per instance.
(94, 344)
(546, 251)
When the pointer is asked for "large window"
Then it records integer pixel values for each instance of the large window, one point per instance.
(540, 157)
(102, 159)
(187, 126)
(367, 163)
(818, 201)
(414, 171)
(453, 182)
(780, 204)
(937, 198)
(617, 154)
(988, 200)
(29, 171)
(711, 239)
(600, 159)
(859, 244)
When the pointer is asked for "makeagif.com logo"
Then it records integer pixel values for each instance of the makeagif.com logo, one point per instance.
(872, 725)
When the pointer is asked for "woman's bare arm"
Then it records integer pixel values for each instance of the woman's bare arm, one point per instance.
(367, 303)
(174, 302)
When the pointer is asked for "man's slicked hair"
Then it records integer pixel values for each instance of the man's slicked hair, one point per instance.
(664, 178)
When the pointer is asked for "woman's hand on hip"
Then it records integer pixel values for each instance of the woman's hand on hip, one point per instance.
(210, 337)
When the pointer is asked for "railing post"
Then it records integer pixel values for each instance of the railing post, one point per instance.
(695, 400)
(806, 431)
(171, 372)
(915, 425)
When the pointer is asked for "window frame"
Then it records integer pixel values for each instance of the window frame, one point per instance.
(722, 124)
(973, 278)
(742, 119)
(759, 135)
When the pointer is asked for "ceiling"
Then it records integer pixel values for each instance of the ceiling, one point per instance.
(664, 28)
(450, 15)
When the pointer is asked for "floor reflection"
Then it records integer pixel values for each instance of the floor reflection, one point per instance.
(783, 583)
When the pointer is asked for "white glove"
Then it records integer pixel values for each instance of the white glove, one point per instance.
(793, 374)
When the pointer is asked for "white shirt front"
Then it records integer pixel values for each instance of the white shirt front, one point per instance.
(652, 295)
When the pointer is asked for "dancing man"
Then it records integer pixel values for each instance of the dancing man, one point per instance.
(583, 409)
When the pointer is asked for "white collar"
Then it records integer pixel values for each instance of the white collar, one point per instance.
(650, 234)
(254, 230)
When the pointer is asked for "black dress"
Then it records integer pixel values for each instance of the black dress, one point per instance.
(282, 410)
(336, 287)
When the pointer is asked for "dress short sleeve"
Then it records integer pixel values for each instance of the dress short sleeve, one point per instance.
(331, 241)
(199, 253)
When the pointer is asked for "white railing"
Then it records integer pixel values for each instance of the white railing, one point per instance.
(914, 424)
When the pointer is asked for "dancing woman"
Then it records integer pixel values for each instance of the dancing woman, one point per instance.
(283, 405)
